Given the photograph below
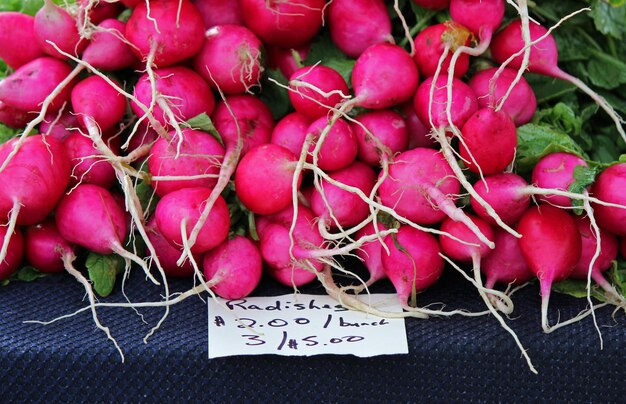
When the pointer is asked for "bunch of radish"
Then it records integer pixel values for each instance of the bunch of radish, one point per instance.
(143, 131)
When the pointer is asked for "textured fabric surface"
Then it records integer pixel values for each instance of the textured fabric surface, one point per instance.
(450, 359)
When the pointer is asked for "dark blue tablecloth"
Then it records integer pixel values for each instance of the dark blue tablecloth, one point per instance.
(450, 359)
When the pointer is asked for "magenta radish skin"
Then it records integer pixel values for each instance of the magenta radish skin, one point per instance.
(44, 247)
(230, 59)
(418, 267)
(550, 243)
(167, 254)
(13, 117)
(609, 187)
(433, 4)
(187, 205)
(387, 126)
(15, 253)
(609, 249)
(28, 86)
(430, 44)
(285, 60)
(59, 126)
(188, 94)
(384, 75)
(504, 192)
(55, 24)
(18, 28)
(311, 103)
(556, 171)
(464, 102)
(198, 154)
(219, 12)
(263, 179)
(253, 120)
(355, 25)
(174, 41)
(107, 109)
(341, 206)
(371, 253)
(98, 12)
(490, 141)
(460, 251)
(106, 50)
(236, 265)
(419, 134)
(482, 18)
(90, 217)
(290, 132)
(412, 175)
(521, 103)
(287, 24)
(89, 166)
(505, 263)
(339, 148)
(36, 178)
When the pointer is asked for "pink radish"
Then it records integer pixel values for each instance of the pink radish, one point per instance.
(371, 253)
(96, 12)
(389, 129)
(179, 211)
(506, 193)
(230, 59)
(179, 91)
(521, 102)
(413, 263)
(337, 149)
(543, 59)
(286, 24)
(14, 252)
(556, 171)
(44, 247)
(29, 86)
(18, 28)
(431, 43)
(167, 253)
(551, 246)
(13, 117)
(287, 60)
(89, 166)
(489, 141)
(483, 18)
(315, 90)
(505, 263)
(433, 4)
(219, 12)
(107, 109)
(196, 154)
(419, 134)
(171, 30)
(264, 178)
(54, 24)
(290, 132)
(355, 25)
(609, 187)
(107, 50)
(234, 268)
(59, 125)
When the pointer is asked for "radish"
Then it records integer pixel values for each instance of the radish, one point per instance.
(28, 86)
(233, 268)
(371, 253)
(433, 4)
(551, 245)
(520, 104)
(13, 117)
(89, 166)
(489, 141)
(287, 60)
(355, 25)
(107, 109)
(287, 24)
(219, 12)
(107, 49)
(193, 161)
(179, 211)
(419, 134)
(413, 262)
(435, 40)
(334, 144)
(90, 12)
(230, 59)
(505, 263)
(482, 18)
(264, 178)
(44, 247)
(609, 187)
(507, 193)
(387, 126)
(290, 132)
(542, 59)
(180, 94)
(59, 125)
(431, 102)
(316, 90)
(556, 171)
(18, 28)
(168, 32)
(56, 25)
(168, 254)
(12, 258)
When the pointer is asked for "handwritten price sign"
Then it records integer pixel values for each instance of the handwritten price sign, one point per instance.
(303, 325)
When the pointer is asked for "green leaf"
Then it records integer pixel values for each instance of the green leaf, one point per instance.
(24, 274)
(325, 52)
(103, 270)
(535, 141)
(578, 289)
(204, 123)
(606, 71)
(6, 133)
(275, 95)
(583, 177)
(608, 19)
(617, 276)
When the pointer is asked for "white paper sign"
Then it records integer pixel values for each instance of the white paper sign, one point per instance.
(303, 325)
